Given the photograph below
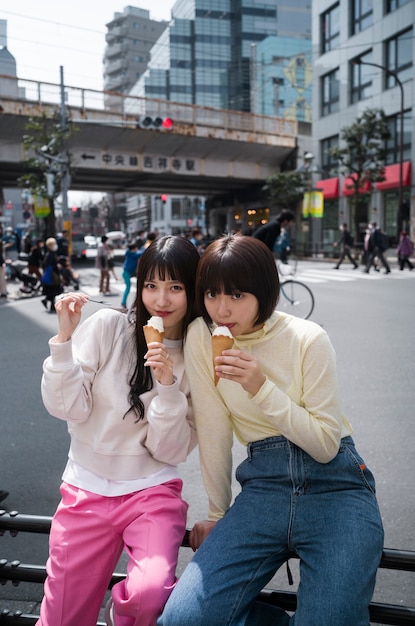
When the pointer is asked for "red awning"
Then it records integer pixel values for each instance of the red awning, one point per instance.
(348, 187)
(392, 173)
(329, 187)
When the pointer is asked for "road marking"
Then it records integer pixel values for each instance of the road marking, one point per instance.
(324, 275)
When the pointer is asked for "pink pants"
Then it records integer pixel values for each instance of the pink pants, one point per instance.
(87, 537)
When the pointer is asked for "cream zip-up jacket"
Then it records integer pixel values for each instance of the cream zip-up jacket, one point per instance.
(299, 398)
(86, 383)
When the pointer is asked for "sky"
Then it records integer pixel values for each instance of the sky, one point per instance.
(47, 34)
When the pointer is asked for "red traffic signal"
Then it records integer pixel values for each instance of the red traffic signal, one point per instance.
(167, 123)
(163, 197)
(154, 123)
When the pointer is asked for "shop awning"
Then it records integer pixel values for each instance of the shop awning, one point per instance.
(348, 188)
(329, 187)
(392, 176)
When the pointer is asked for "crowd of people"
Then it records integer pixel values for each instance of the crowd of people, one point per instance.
(41, 254)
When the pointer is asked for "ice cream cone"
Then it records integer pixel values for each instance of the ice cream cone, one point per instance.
(219, 343)
(152, 334)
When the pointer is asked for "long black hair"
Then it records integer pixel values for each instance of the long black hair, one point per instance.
(167, 258)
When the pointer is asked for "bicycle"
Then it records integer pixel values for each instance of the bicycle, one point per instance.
(297, 299)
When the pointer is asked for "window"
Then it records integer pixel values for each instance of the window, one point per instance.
(330, 93)
(398, 55)
(362, 15)
(361, 78)
(330, 29)
(328, 163)
(392, 5)
(393, 143)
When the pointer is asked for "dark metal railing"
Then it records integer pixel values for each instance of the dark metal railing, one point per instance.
(16, 572)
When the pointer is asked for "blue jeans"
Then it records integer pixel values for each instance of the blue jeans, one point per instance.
(290, 505)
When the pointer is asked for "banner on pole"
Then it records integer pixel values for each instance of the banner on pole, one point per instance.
(313, 204)
(41, 206)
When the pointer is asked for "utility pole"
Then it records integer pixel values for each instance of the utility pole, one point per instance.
(64, 156)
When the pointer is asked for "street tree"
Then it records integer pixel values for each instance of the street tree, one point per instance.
(361, 157)
(47, 162)
(285, 189)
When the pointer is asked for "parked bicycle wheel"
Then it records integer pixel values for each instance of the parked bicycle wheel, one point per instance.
(296, 299)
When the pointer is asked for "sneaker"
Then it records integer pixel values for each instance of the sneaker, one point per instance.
(109, 613)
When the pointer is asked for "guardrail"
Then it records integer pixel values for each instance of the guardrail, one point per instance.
(16, 572)
(117, 107)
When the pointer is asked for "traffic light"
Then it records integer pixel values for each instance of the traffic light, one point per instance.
(154, 123)
(163, 198)
(77, 211)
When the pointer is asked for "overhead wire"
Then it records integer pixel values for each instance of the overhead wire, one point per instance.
(178, 46)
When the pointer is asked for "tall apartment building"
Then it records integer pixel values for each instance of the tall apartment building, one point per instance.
(203, 57)
(379, 36)
(130, 37)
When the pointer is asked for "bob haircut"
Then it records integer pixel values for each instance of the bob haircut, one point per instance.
(169, 257)
(239, 263)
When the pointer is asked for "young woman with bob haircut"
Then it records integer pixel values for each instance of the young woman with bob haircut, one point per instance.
(305, 491)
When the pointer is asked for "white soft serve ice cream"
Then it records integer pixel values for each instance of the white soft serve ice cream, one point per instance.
(222, 330)
(157, 323)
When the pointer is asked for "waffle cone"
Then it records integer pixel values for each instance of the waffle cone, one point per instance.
(152, 334)
(219, 343)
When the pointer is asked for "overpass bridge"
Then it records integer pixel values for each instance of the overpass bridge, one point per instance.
(207, 152)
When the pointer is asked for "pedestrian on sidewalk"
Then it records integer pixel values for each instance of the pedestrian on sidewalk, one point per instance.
(36, 258)
(102, 263)
(130, 420)
(346, 243)
(269, 232)
(132, 256)
(377, 247)
(404, 250)
(51, 277)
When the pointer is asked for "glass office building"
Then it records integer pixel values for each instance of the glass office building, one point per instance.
(203, 57)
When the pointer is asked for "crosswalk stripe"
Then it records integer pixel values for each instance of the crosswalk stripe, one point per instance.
(322, 275)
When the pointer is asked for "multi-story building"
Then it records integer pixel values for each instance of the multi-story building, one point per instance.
(364, 58)
(130, 37)
(204, 56)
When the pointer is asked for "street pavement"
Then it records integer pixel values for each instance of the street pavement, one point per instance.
(369, 318)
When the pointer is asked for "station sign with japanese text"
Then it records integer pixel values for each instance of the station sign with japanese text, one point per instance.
(155, 163)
